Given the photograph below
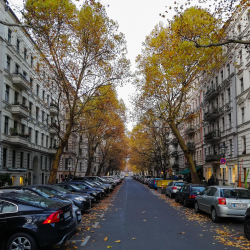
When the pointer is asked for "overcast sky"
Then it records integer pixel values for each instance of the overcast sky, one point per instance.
(136, 20)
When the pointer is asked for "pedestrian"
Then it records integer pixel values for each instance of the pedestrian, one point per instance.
(210, 181)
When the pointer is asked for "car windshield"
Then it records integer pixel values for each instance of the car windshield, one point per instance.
(195, 190)
(179, 184)
(43, 192)
(235, 193)
(80, 186)
(75, 187)
(60, 189)
(89, 183)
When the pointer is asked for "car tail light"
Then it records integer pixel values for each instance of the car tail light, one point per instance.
(222, 201)
(174, 187)
(192, 196)
(55, 217)
(154, 182)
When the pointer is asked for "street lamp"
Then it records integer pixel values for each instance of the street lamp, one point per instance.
(223, 149)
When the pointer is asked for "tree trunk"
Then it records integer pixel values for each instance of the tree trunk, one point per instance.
(100, 168)
(194, 175)
(90, 160)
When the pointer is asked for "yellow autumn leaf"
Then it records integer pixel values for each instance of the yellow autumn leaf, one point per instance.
(109, 246)
(118, 241)
(106, 238)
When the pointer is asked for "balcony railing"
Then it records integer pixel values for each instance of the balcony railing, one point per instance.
(18, 139)
(20, 81)
(190, 130)
(20, 110)
(211, 93)
(214, 157)
(212, 136)
(211, 114)
(174, 141)
(174, 153)
(191, 146)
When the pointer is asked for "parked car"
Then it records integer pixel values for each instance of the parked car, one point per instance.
(93, 184)
(188, 193)
(173, 187)
(247, 224)
(33, 221)
(35, 190)
(97, 178)
(223, 201)
(153, 183)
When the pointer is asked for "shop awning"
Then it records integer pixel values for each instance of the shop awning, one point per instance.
(187, 171)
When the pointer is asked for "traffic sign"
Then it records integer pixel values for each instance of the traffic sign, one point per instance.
(222, 161)
(223, 166)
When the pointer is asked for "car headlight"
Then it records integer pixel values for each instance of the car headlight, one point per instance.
(80, 199)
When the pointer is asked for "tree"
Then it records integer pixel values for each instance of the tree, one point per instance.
(5, 179)
(80, 51)
(169, 70)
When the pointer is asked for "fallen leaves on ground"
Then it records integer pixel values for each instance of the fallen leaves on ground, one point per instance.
(109, 246)
(118, 241)
(106, 238)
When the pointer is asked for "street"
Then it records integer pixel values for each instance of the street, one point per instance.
(136, 217)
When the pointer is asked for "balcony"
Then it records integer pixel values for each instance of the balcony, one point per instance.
(174, 153)
(19, 110)
(174, 141)
(215, 157)
(212, 136)
(212, 114)
(53, 130)
(20, 81)
(175, 165)
(210, 94)
(53, 108)
(190, 130)
(18, 139)
(52, 150)
(191, 146)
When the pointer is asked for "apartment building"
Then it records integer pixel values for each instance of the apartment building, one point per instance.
(27, 135)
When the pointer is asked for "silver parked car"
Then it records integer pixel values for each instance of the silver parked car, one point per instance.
(173, 187)
(223, 201)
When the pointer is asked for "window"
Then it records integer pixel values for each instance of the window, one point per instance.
(240, 56)
(230, 147)
(31, 61)
(43, 95)
(8, 63)
(80, 166)
(37, 113)
(243, 115)
(31, 83)
(6, 124)
(17, 69)
(13, 158)
(46, 166)
(66, 163)
(25, 54)
(67, 146)
(221, 76)
(42, 139)
(7, 93)
(28, 161)
(241, 85)
(228, 70)
(229, 94)
(222, 99)
(30, 134)
(4, 157)
(21, 160)
(48, 100)
(37, 90)
(24, 101)
(229, 121)
(41, 163)
(51, 142)
(23, 129)
(16, 98)
(43, 116)
(8, 208)
(9, 35)
(244, 145)
(24, 74)
(36, 138)
(223, 124)
(30, 108)
(17, 45)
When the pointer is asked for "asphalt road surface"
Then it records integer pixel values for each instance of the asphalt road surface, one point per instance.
(141, 219)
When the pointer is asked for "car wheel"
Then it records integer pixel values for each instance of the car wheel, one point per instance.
(171, 195)
(196, 207)
(176, 199)
(214, 215)
(21, 241)
(247, 229)
(185, 203)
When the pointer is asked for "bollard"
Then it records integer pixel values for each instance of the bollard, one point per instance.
(162, 186)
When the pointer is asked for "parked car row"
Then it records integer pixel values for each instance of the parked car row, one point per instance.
(38, 216)
(218, 201)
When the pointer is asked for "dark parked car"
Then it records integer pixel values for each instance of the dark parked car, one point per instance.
(188, 193)
(96, 178)
(247, 224)
(31, 222)
(81, 201)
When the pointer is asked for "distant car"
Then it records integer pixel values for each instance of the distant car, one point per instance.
(173, 187)
(153, 183)
(223, 201)
(188, 193)
(33, 222)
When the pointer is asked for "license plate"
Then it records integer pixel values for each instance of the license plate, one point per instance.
(79, 217)
(66, 215)
(240, 205)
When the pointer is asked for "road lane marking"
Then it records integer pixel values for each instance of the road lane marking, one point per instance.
(95, 225)
(85, 241)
